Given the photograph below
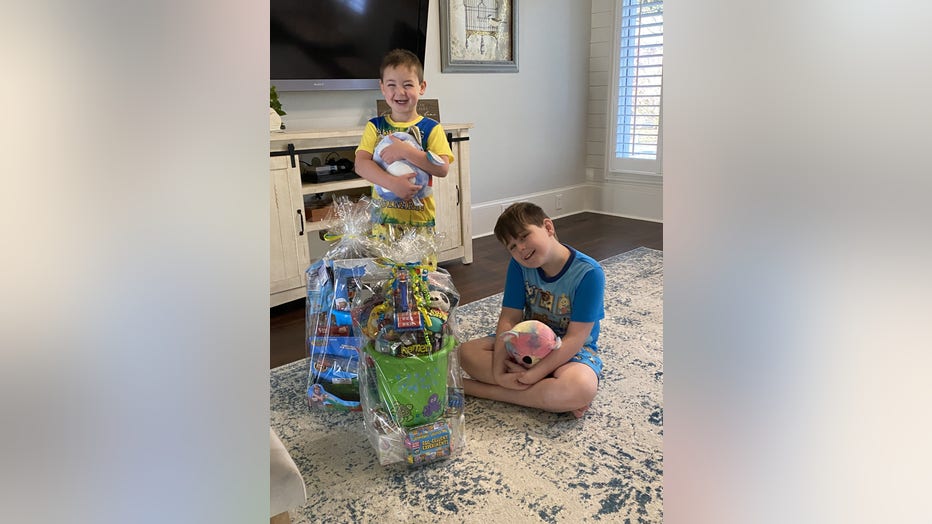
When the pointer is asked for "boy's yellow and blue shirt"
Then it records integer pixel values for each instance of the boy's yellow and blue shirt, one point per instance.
(432, 138)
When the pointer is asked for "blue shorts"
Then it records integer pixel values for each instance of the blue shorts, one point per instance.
(590, 358)
(585, 356)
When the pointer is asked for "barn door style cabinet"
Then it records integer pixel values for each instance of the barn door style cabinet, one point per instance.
(294, 231)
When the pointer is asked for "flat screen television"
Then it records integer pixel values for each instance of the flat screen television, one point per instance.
(319, 45)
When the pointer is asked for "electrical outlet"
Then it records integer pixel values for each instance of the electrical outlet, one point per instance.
(558, 202)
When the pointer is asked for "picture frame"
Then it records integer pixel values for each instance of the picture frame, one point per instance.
(478, 36)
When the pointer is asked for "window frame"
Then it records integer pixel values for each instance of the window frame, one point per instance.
(620, 167)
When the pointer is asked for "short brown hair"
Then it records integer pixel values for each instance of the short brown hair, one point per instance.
(516, 218)
(402, 57)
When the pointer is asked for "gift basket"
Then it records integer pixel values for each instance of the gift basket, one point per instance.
(409, 376)
(332, 284)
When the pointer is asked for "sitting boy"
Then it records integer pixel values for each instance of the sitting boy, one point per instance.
(559, 286)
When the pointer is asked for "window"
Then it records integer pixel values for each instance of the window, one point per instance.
(636, 112)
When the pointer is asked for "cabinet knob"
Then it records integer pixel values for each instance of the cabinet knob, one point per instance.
(301, 220)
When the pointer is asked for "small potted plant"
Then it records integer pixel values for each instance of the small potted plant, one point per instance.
(275, 111)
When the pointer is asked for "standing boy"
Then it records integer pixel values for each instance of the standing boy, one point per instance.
(559, 286)
(401, 80)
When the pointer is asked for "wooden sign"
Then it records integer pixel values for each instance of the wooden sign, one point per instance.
(429, 107)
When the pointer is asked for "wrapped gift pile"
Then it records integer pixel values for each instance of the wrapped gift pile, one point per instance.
(382, 339)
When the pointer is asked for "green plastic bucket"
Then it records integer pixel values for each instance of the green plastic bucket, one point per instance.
(413, 389)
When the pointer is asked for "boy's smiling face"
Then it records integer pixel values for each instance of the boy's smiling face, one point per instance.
(402, 89)
(531, 248)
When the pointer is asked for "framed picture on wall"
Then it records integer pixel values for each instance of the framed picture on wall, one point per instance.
(478, 36)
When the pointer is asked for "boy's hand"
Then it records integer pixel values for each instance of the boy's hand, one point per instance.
(397, 151)
(404, 186)
(506, 372)
(529, 378)
(510, 380)
(513, 367)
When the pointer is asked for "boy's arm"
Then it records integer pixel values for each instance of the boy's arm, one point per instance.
(573, 340)
(365, 166)
(402, 186)
(401, 150)
(506, 320)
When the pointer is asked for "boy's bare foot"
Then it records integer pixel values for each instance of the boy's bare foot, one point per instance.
(578, 413)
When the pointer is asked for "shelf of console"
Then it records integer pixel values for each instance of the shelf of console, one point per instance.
(309, 188)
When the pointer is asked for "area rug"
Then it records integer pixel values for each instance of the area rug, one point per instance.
(520, 464)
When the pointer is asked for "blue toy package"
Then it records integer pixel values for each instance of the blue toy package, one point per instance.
(333, 351)
(332, 343)
(333, 381)
(333, 283)
(318, 286)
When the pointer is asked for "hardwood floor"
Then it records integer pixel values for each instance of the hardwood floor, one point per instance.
(599, 236)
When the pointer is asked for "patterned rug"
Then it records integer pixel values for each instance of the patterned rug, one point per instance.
(520, 464)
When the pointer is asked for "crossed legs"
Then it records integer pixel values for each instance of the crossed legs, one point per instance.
(570, 388)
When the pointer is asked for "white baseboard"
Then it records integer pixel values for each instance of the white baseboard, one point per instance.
(624, 198)
(571, 200)
(640, 198)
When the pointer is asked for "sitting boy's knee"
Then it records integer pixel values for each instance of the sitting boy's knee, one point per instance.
(477, 344)
(588, 391)
(474, 354)
(583, 385)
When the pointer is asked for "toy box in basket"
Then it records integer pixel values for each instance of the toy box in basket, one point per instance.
(333, 282)
(333, 382)
(332, 342)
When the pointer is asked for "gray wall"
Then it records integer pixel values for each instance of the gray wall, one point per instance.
(530, 126)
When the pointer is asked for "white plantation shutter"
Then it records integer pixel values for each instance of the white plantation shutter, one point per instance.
(636, 115)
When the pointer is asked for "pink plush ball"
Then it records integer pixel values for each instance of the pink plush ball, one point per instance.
(530, 341)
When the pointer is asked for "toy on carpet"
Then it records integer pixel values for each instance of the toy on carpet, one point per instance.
(530, 341)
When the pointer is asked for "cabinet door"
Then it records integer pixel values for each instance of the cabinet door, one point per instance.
(289, 246)
(447, 201)
(454, 212)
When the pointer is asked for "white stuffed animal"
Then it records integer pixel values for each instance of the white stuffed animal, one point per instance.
(401, 167)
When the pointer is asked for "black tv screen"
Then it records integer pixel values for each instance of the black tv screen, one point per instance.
(339, 44)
